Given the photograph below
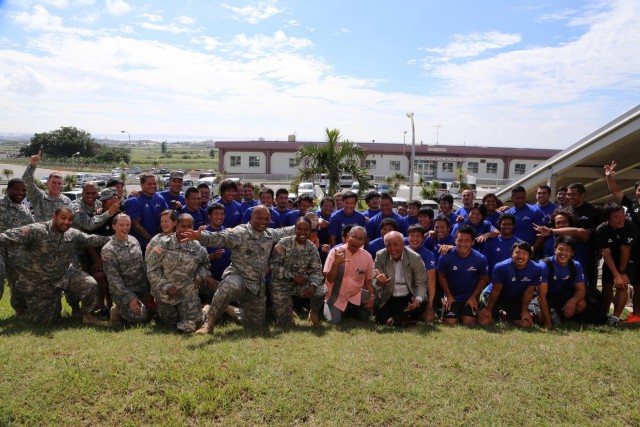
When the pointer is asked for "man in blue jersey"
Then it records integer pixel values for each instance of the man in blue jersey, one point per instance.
(232, 209)
(462, 273)
(446, 208)
(514, 281)
(282, 200)
(414, 241)
(305, 201)
(386, 211)
(563, 289)
(144, 210)
(372, 199)
(248, 196)
(526, 217)
(173, 196)
(499, 248)
(346, 215)
(543, 202)
(387, 225)
(193, 207)
(266, 199)
(468, 197)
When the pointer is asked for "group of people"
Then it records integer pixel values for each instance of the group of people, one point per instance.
(189, 259)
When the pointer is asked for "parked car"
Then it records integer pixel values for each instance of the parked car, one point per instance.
(306, 188)
(382, 188)
(186, 183)
(81, 178)
(73, 194)
(211, 182)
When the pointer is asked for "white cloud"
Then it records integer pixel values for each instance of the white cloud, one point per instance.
(40, 19)
(253, 14)
(185, 20)
(60, 4)
(152, 17)
(470, 45)
(171, 28)
(293, 23)
(561, 15)
(117, 7)
(258, 45)
(209, 43)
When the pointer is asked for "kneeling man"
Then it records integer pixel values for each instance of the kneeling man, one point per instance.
(514, 283)
(402, 279)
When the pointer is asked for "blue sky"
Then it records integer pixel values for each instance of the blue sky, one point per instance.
(491, 73)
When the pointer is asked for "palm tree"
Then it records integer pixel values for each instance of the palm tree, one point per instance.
(428, 190)
(8, 173)
(334, 157)
(70, 182)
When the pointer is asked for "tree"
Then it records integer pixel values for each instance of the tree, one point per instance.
(63, 142)
(461, 177)
(394, 182)
(334, 157)
(163, 147)
(70, 182)
(428, 190)
(212, 153)
(8, 173)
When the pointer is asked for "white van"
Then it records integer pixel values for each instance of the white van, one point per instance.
(454, 188)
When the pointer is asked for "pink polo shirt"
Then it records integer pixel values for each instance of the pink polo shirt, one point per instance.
(357, 269)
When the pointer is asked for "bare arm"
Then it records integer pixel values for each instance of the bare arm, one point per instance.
(609, 172)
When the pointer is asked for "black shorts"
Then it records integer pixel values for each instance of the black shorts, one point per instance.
(513, 308)
(558, 301)
(457, 310)
(607, 276)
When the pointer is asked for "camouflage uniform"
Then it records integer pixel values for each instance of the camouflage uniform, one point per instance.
(243, 280)
(123, 264)
(171, 263)
(86, 217)
(286, 262)
(50, 272)
(42, 204)
(12, 215)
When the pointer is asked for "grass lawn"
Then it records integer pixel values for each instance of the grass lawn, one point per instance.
(352, 374)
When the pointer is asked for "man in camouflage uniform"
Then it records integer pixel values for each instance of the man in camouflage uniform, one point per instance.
(13, 214)
(90, 216)
(44, 203)
(50, 248)
(176, 271)
(243, 280)
(296, 270)
(124, 267)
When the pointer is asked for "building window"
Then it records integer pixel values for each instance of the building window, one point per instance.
(292, 163)
(425, 167)
(394, 165)
(447, 167)
(520, 169)
(472, 167)
(254, 161)
(370, 164)
(235, 161)
(492, 168)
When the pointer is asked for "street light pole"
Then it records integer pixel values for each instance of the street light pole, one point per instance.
(413, 154)
(404, 144)
(73, 159)
(124, 131)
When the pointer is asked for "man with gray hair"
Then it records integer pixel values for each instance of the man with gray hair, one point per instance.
(402, 279)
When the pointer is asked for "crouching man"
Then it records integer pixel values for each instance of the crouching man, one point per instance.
(514, 282)
(176, 270)
(51, 246)
(563, 288)
(124, 267)
(402, 279)
(296, 270)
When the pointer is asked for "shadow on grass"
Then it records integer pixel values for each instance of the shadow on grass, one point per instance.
(14, 326)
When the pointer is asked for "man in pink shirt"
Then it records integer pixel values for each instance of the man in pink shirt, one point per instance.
(348, 272)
